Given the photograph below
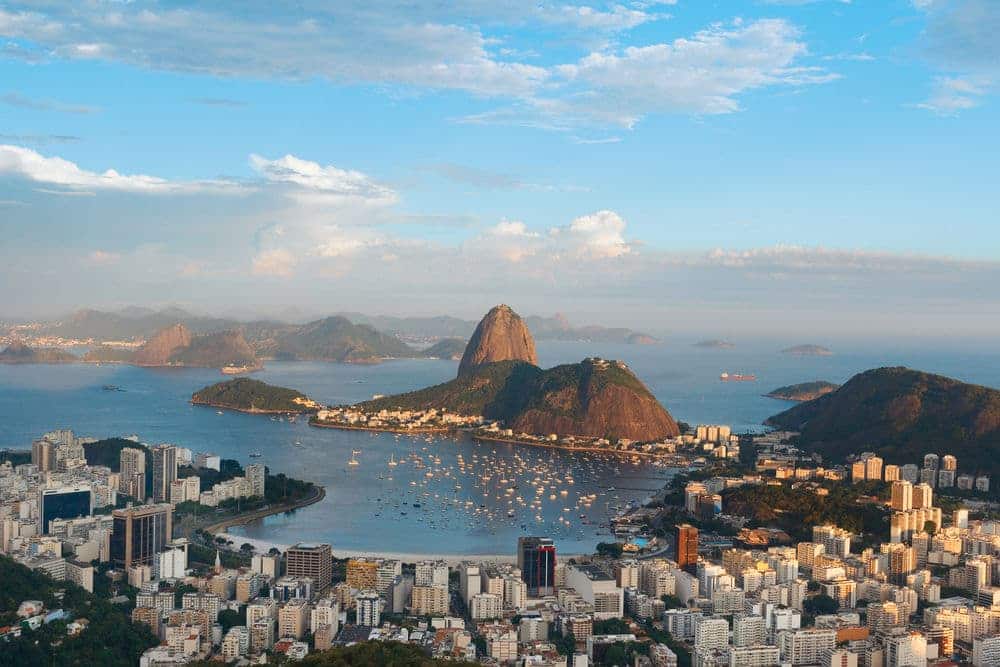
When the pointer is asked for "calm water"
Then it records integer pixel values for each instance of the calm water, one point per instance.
(460, 512)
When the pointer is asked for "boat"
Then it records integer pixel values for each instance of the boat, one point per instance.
(112, 387)
(392, 460)
(218, 412)
(255, 454)
(737, 377)
(353, 461)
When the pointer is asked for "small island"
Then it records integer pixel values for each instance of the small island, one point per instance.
(19, 353)
(715, 344)
(808, 351)
(255, 397)
(641, 339)
(805, 391)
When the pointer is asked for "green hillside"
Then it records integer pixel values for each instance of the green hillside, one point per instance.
(902, 414)
(251, 395)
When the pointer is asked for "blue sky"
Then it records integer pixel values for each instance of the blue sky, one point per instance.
(819, 164)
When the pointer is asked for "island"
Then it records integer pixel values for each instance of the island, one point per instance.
(715, 344)
(255, 397)
(808, 351)
(805, 391)
(19, 353)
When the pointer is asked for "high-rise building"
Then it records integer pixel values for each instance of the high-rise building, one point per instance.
(873, 467)
(931, 461)
(687, 547)
(891, 472)
(140, 533)
(132, 473)
(43, 454)
(66, 503)
(536, 558)
(164, 471)
(255, 475)
(431, 573)
(902, 495)
(369, 609)
(949, 462)
(362, 573)
(310, 560)
(923, 496)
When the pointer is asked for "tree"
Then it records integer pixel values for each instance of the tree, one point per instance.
(820, 604)
(229, 618)
(673, 602)
(247, 547)
(610, 549)
(813, 586)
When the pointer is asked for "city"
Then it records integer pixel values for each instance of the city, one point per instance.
(707, 592)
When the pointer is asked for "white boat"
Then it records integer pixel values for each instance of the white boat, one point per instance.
(392, 460)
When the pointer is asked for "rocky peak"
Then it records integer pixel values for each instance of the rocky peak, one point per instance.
(158, 349)
(500, 336)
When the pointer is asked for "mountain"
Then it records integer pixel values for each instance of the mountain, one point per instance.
(215, 350)
(335, 339)
(808, 351)
(440, 326)
(715, 344)
(108, 354)
(131, 323)
(901, 414)
(641, 339)
(500, 336)
(176, 346)
(19, 353)
(447, 348)
(806, 391)
(594, 398)
(158, 350)
(248, 395)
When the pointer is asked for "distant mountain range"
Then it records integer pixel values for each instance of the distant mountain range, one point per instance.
(134, 322)
(19, 353)
(901, 414)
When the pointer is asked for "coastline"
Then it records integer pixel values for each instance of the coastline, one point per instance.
(348, 427)
(248, 411)
(219, 527)
(588, 450)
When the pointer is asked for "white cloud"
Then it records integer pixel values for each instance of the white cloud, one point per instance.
(952, 95)
(702, 74)
(599, 235)
(275, 262)
(333, 183)
(510, 240)
(55, 171)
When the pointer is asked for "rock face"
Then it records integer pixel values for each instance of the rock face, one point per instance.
(594, 398)
(902, 414)
(158, 349)
(501, 336)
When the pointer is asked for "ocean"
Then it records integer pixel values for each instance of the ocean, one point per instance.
(447, 495)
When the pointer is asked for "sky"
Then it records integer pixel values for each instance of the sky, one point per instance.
(752, 167)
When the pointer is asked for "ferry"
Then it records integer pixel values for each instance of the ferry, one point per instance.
(737, 377)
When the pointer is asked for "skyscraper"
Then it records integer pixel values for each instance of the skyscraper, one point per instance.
(140, 533)
(536, 558)
(132, 469)
(310, 560)
(43, 454)
(66, 503)
(255, 475)
(164, 471)
(687, 547)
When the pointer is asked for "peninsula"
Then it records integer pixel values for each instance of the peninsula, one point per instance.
(501, 389)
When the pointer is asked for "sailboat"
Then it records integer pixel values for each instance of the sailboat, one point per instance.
(392, 460)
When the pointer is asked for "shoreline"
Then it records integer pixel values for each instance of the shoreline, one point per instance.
(348, 427)
(586, 450)
(248, 411)
(220, 527)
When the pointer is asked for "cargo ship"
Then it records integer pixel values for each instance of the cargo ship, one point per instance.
(737, 377)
